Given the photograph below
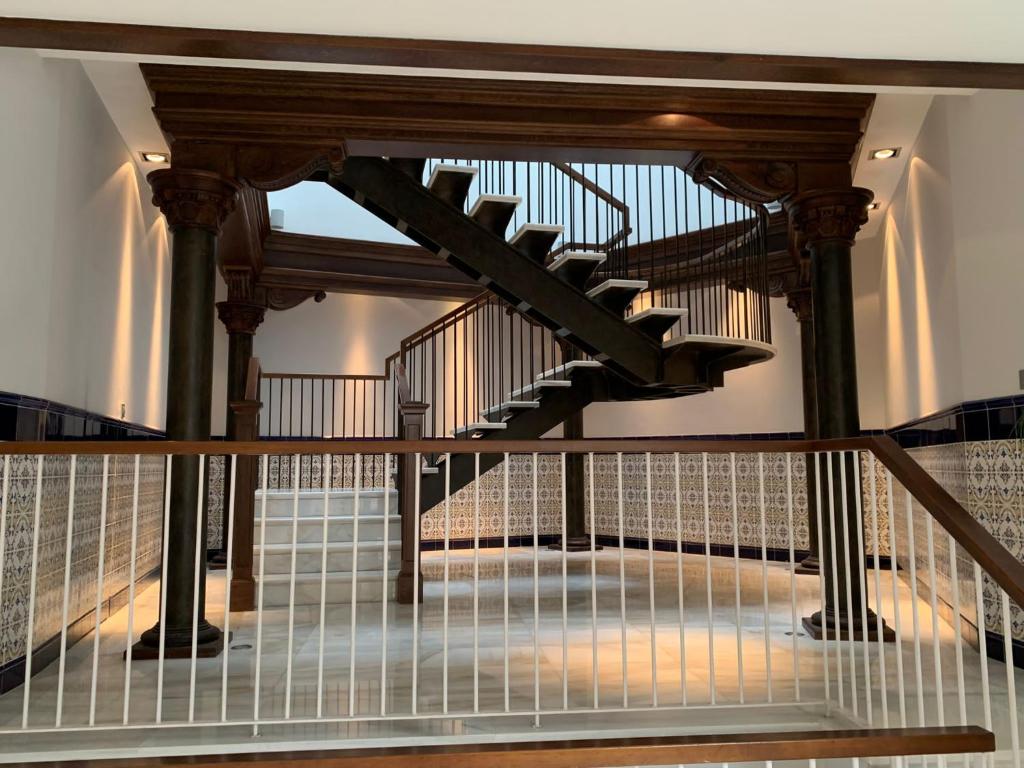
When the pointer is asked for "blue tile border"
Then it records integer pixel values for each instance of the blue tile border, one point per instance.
(23, 417)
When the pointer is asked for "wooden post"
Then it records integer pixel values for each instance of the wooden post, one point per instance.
(412, 418)
(246, 413)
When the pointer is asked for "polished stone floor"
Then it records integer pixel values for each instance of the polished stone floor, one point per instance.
(630, 672)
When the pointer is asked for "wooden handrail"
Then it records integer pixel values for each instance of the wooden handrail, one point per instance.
(327, 376)
(598, 753)
(992, 556)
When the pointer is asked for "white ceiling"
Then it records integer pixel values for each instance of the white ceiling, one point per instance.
(950, 30)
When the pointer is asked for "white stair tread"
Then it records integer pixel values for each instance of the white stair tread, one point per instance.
(725, 341)
(316, 547)
(423, 470)
(511, 405)
(525, 228)
(608, 285)
(597, 258)
(529, 389)
(448, 168)
(658, 312)
(479, 426)
(335, 576)
(480, 201)
(317, 493)
(568, 368)
(364, 517)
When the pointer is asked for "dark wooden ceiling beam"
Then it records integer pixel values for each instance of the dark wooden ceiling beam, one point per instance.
(147, 40)
(452, 117)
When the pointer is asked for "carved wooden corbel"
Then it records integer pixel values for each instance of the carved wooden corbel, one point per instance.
(756, 181)
(259, 166)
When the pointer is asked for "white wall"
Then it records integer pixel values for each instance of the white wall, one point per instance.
(950, 319)
(85, 256)
(761, 398)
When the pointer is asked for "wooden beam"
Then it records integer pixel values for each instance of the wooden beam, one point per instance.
(147, 40)
(201, 108)
(598, 753)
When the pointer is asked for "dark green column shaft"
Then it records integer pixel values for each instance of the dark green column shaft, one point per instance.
(195, 204)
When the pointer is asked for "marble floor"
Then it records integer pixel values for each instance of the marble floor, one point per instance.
(631, 672)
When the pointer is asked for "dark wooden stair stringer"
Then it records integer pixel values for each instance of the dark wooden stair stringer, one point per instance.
(403, 202)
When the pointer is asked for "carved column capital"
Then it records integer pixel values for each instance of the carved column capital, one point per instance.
(192, 198)
(823, 215)
(240, 316)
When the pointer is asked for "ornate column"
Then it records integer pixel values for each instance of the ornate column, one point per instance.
(826, 221)
(241, 317)
(195, 204)
(799, 300)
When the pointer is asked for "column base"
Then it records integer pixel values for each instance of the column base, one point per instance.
(178, 643)
(405, 591)
(809, 566)
(859, 630)
(218, 561)
(574, 544)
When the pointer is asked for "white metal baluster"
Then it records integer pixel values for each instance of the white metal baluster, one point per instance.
(328, 467)
(444, 617)
(940, 705)
(1011, 686)
(416, 587)
(792, 574)
(385, 598)
(163, 583)
(197, 565)
(68, 534)
(259, 598)
(229, 545)
(353, 613)
(764, 574)
(650, 582)
(679, 583)
(622, 586)
(296, 479)
(565, 601)
(986, 694)
(31, 615)
(736, 571)
(707, 574)
(954, 580)
(476, 582)
(593, 588)
(898, 623)
(536, 598)
(100, 568)
(131, 588)
(918, 674)
(848, 568)
(504, 576)
(816, 458)
(835, 579)
(883, 679)
(862, 585)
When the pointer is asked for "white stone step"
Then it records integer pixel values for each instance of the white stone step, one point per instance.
(537, 388)
(566, 369)
(311, 502)
(507, 408)
(309, 557)
(339, 528)
(478, 428)
(369, 588)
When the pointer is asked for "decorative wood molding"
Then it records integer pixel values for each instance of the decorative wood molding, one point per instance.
(759, 181)
(153, 40)
(192, 198)
(280, 299)
(241, 317)
(269, 127)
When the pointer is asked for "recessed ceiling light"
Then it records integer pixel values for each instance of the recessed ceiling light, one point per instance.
(873, 206)
(156, 157)
(887, 153)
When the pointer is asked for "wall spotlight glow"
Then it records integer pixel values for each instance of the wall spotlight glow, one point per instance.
(156, 157)
(887, 153)
(873, 206)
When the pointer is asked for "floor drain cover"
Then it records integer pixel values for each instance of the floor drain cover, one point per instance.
(241, 647)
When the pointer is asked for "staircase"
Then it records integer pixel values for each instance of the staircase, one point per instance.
(300, 522)
(575, 296)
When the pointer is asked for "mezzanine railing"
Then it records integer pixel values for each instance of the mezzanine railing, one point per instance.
(686, 602)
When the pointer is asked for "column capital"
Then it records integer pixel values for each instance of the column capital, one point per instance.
(823, 215)
(241, 316)
(192, 198)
